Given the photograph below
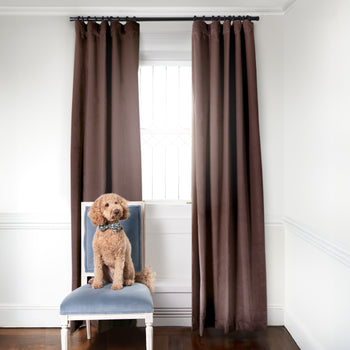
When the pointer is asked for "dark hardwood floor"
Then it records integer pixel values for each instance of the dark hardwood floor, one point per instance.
(165, 338)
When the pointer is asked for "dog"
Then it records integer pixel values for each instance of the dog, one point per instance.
(111, 246)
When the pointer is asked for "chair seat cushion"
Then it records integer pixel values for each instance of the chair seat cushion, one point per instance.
(86, 300)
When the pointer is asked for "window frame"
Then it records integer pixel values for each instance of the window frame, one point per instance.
(188, 133)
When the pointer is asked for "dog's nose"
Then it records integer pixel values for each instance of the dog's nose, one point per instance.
(116, 212)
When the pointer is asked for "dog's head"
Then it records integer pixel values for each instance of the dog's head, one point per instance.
(108, 208)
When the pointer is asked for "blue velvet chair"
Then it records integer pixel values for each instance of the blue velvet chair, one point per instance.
(133, 302)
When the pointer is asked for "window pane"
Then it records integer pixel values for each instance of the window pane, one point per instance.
(172, 172)
(172, 100)
(146, 96)
(166, 120)
(159, 97)
(159, 172)
(185, 89)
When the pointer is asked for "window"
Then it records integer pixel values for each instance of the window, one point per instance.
(166, 122)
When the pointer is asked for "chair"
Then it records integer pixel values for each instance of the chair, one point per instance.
(133, 302)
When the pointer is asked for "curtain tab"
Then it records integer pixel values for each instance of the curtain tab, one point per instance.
(248, 25)
(130, 27)
(80, 29)
(237, 26)
(199, 27)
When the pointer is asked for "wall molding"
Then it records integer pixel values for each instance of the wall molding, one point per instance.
(35, 221)
(268, 9)
(27, 221)
(173, 312)
(332, 249)
(38, 315)
(174, 316)
(288, 6)
(28, 307)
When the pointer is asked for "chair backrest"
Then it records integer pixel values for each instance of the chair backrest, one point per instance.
(133, 227)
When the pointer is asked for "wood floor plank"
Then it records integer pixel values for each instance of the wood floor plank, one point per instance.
(165, 338)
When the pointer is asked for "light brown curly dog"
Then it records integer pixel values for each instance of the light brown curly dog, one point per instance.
(112, 248)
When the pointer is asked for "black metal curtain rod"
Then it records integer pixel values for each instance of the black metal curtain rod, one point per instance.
(162, 19)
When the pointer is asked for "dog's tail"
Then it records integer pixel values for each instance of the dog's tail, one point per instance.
(147, 277)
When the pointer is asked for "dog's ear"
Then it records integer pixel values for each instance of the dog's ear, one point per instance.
(125, 207)
(95, 213)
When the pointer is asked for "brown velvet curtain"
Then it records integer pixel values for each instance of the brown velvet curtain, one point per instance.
(228, 257)
(105, 136)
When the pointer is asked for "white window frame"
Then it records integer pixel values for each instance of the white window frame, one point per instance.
(179, 132)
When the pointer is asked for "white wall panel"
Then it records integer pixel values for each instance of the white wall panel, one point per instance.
(316, 173)
(35, 262)
(317, 290)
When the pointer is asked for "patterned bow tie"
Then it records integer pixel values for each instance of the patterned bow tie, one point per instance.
(116, 227)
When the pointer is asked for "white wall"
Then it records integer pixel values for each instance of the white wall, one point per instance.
(317, 172)
(269, 60)
(317, 106)
(36, 69)
(269, 57)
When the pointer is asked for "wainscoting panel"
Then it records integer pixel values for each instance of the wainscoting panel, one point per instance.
(168, 250)
(35, 268)
(35, 265)
(274, 250)
(317, 289)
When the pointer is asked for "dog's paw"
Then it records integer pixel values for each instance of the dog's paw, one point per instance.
(116, 286)
(97, 285)
(129, 282)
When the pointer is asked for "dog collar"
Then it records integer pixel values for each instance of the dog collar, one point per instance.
(116, 227)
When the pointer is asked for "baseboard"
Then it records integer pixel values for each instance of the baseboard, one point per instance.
(32, 316)
(27, 316)
(18, 316)
(173, 316)
(275, 315)
(300, 334)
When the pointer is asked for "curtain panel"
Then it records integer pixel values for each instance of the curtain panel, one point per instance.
(105, 135)
(228, 252)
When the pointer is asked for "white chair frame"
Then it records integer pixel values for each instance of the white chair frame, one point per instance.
(66, 319)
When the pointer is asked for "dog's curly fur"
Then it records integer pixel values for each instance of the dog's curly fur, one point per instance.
(112, 250)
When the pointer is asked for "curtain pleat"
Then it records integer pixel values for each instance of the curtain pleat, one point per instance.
(228, 258)
(105, 134)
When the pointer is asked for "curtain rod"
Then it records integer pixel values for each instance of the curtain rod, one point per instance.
(163, 19)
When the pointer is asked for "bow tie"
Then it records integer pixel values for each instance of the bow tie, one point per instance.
(116, 227)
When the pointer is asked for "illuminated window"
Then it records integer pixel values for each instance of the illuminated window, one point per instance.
(166, 122)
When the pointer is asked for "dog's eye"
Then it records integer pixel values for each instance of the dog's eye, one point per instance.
(115, 202)
(106, 205)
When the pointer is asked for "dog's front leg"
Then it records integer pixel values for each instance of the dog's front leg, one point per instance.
(118, 273)
(129, 271)
(98, 262)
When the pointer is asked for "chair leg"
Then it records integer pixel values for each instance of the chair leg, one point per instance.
(64, 333)
(149, 333)
(88, 329)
